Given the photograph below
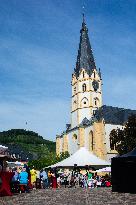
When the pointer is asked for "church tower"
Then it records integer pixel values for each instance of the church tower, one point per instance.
(86, 82)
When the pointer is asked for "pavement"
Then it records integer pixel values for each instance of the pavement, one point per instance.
(70, 196)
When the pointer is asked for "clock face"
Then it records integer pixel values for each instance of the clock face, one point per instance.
(95, 85)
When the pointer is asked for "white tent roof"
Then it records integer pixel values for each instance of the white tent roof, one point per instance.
(3, 147)
(82, 157)
(106, 169)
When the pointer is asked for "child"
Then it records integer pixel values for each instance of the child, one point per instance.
(58, 181)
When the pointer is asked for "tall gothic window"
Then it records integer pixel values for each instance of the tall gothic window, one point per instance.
(112, 140)
(74, 90)
(96, 102)
(83, 74)
(84, 87)
(91, 141)
(112, 145)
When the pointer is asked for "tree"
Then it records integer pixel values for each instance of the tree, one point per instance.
(124, 140)
(48, 160)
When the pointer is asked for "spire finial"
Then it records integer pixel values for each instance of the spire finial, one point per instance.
(83, 13)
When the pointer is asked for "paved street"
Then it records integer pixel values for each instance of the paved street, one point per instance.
(68, 196)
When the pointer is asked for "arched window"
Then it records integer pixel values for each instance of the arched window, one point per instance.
(96, 102)
(74, 137)
(112, 140)
(74, 89)
(111, 144)
(94, 74)
(84, 87)
(84, 102)
(74, 104)
(91, 141)
(83, 74)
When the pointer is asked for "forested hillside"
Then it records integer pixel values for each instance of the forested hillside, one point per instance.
(26, 144)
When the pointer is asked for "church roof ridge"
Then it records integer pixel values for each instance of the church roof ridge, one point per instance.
(119, 108)
(113, 115)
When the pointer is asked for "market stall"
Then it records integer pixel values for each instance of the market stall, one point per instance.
(123, 173)
(82, 158)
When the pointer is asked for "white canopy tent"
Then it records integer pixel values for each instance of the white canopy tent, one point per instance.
(106, 169)
(3, 149)
(82, 157)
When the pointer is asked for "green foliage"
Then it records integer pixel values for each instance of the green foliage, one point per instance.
(24, 137)
(63, 155)
(48, 160)
(124, 140)
(44, 151)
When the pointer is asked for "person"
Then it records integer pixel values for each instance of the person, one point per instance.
(38, 181)
(58, 181)
(15, 181)
(44, 177)
(107, 183)
(49, 178)
(29, 175)
(23, 179)
(76, 179)
(33, 177)
(85, 185)
(65, 179)
(103, 182)
(90, 175)
(98, 181)
(81, 180)
(69, 179)
(54, 179)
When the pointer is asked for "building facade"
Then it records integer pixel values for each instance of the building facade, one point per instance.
(91, 121)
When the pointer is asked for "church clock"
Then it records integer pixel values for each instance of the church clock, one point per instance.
(95, 85)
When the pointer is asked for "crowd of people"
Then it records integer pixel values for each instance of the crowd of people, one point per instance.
(25, 179)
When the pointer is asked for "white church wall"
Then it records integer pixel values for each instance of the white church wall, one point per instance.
(74, 119)
(87, 131)
(110, 156)
(84, 112)
(72, 143)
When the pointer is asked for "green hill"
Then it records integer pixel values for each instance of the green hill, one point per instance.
(26, 144)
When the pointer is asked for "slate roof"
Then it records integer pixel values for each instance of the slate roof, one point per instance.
(113, 115)
(85, 122)
(85, 58)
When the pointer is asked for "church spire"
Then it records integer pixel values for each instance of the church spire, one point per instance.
(85, 57)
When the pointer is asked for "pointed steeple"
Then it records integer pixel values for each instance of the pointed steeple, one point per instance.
(85, 57)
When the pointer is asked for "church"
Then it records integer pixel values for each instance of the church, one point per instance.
(91, 121)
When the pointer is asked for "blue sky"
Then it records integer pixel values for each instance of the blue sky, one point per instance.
(38, 49)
